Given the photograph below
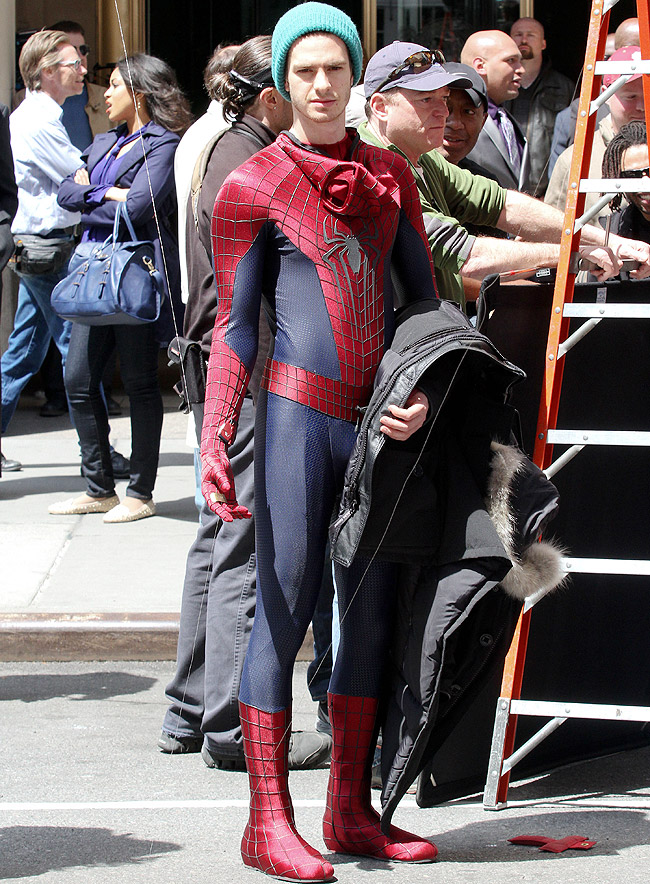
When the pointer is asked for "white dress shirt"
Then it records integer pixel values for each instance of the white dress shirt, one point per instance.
(187, 153)
(43, 157)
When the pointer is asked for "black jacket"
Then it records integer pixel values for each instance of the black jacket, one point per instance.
(536, 109)
(460, 512)
(158, 173)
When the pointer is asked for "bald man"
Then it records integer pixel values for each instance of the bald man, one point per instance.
(627, 33)
(501, 147)
(543, 93)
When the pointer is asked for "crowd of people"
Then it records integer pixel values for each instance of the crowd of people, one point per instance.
(303, 244)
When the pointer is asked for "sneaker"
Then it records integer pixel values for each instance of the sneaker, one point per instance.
(179, 744)
(323, 725)
(218, 762)
(309, 749)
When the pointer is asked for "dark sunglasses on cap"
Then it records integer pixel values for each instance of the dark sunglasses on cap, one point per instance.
(635, 173)
(419, 62)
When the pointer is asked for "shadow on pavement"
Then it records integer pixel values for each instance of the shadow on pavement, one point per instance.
(28, 851)
(32, 688)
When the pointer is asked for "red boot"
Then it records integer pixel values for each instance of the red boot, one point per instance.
(350, 824)
(271, 842)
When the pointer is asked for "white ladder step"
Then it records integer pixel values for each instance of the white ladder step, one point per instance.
(613, 185)
(606, 712)
(598, 437)
(607, 311)
(634, 567)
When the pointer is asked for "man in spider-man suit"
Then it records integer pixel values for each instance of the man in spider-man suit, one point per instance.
(324, 230)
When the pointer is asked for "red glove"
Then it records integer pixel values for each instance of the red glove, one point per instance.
(218, 485)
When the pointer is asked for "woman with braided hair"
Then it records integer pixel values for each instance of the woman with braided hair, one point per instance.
(626, 156)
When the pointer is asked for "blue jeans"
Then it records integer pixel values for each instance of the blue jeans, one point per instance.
(137, 348)
(34, 324)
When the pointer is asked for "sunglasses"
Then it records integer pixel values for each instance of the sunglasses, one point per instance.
(84, 49)
(418, 63)
(70, 64)
(634, 173)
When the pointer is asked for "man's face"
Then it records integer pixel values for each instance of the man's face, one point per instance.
(78, 40)
(62, 80)
(627, 105)
(463, 126)
(529, 37)
(319, 78)
(415, 121)
(502, 70)
(636, 157)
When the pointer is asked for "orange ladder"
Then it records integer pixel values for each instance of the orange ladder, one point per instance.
(510, 705)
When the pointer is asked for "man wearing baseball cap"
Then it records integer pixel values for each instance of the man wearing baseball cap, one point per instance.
(625, 106)
(467, 107)
(315, 225)
(406, 90)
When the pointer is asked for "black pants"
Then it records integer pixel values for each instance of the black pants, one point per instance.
(89, 351)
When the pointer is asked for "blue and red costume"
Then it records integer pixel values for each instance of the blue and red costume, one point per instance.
(324, 242)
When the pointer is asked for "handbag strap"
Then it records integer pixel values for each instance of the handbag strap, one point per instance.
(122, 212)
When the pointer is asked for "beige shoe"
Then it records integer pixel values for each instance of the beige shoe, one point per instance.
(122, 513)
(74, 507)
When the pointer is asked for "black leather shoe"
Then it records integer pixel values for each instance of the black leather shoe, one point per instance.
(10, 466)
(179, 744)
(121, 465)
(54, 408)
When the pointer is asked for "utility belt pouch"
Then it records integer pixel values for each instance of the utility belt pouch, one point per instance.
(188, 355)
(36, 255)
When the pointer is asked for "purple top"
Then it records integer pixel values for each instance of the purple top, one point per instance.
(103, 177)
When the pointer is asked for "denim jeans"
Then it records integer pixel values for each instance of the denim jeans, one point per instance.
(90, 348)
(35, 324)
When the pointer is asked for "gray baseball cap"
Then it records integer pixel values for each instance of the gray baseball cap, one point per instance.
(477, 91)
(383, 71)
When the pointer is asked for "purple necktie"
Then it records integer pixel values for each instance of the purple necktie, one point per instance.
(510, 138)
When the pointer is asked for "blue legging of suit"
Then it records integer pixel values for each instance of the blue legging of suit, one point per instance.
(300, 461)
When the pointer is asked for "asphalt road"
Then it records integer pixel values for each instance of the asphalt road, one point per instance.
(85, 796)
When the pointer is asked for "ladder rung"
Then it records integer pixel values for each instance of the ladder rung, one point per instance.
(640, 567)
(613, 185)
(602, 711)
(608, 311)
(638, 66)
(597, 437)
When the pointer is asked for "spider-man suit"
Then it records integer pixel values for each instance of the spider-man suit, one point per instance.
(316, 237)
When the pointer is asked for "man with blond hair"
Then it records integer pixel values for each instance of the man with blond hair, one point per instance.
(43, 231)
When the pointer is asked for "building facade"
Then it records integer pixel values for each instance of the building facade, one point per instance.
(184, 34)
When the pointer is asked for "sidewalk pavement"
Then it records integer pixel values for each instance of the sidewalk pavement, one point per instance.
(73, 588)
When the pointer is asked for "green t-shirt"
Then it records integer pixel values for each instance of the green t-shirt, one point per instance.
(450, 197)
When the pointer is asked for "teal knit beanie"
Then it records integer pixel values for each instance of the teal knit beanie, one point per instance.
(309, 18)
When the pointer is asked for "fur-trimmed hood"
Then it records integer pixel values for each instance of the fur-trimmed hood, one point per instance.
(521, 501)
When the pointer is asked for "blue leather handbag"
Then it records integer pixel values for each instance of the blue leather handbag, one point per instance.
(112, 283)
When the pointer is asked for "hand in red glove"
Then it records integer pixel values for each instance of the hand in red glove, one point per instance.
(218, 485)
